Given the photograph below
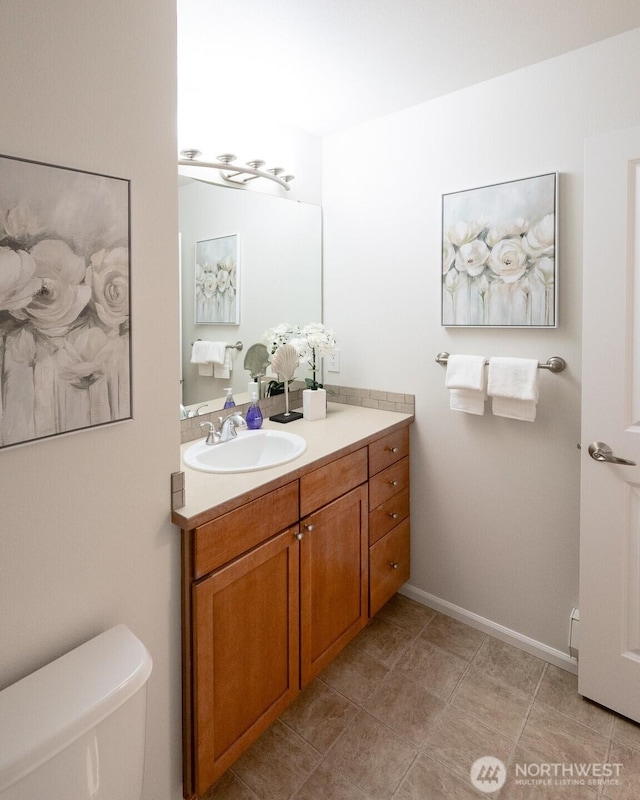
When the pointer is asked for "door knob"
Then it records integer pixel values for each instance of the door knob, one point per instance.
(600, 451)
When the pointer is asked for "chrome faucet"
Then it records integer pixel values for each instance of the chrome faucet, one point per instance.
(227, 429)
(229, 424)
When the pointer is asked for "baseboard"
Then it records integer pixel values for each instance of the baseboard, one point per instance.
(543, 651)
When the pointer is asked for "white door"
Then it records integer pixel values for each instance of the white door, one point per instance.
(609, 659)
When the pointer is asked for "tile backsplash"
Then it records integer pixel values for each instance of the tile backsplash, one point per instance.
(369, 398)
(372, 398)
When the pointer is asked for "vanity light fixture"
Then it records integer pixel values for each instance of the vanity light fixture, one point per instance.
(232, 173)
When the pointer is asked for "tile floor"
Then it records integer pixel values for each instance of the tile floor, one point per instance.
(412, 702)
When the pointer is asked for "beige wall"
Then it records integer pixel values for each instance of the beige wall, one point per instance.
(495, 514)
(85, 537)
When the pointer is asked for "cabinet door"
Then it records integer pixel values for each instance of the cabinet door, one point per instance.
(333, 579)
(246, 652)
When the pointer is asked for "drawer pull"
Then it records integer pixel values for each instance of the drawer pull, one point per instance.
(393, 449)
(299, 536)
(394, 565)
(393, 483)
(394, 514)
(309, 527)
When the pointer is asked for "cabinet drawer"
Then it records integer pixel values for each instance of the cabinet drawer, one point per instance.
(232, 534)
(391, 480)
(387, 515)
(331, 481)
(388, 566)
(388, 450)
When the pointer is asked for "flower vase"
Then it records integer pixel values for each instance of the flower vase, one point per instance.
(314, 403)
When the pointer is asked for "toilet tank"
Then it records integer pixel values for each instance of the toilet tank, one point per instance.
(75, 729)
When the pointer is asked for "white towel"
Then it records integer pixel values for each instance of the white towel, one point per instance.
(465, 380)
(223, 370)
(209, 354)
(513, 385)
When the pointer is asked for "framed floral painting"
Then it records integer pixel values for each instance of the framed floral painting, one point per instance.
(217, 300)
(499, 266)
(65, 346)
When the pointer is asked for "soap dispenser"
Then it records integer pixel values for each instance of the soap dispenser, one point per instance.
(229, 402)
(254, 414)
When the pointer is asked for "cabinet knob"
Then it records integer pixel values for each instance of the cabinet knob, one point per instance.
(394, 565)
(309, 527)
(299, 536)
(393, 449)
(393, 483)
(394, 514)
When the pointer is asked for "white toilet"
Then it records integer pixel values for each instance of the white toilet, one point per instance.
(75, 729)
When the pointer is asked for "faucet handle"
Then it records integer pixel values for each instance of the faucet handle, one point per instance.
(213, 436)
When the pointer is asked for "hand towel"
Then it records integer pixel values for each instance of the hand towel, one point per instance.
(465, 380)
(223, 370)
(208, 354)
(513, 385)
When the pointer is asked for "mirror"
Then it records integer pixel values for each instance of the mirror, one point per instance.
(279, 276)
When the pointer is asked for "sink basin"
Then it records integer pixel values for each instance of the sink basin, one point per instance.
(249, 451)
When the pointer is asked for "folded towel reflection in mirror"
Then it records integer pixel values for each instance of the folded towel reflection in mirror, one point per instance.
(213, 358)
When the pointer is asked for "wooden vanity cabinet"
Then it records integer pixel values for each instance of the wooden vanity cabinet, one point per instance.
(275, 588)
(389, 538)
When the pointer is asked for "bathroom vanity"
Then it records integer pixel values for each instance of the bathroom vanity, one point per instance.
(280, 570)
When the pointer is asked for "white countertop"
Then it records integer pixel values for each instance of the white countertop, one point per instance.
(345, 427)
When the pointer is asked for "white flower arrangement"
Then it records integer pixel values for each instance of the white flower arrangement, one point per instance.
(312, 341)
(279, 335)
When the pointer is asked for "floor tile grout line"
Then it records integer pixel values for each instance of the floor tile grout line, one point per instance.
(459, 682)
(342, 694)
(362, 710)
(244, 783)
(531, 704)
(607, 759)
(404, 776)
(388, 666)
(575, 721)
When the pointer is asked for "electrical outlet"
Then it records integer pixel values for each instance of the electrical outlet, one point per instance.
(333, 361)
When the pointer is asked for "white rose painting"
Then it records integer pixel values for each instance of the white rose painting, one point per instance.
(64, 300)
(217, 281)
(499, 255)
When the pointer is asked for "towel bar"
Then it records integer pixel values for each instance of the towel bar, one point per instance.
(553, 364)
(237, 346)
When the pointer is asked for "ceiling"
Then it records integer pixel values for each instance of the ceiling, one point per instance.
(324, 65)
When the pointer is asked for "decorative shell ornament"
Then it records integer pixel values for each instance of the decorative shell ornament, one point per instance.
(256, 360)
(285, 361)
